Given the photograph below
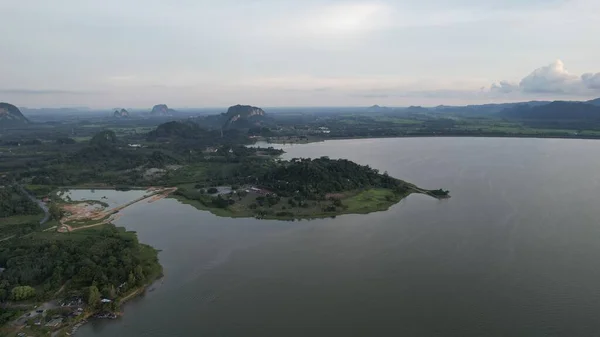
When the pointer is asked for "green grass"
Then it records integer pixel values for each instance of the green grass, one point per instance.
(373, 200)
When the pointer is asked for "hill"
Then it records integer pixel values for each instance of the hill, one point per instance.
(243, 116)
(121, 113)
(312, 178)
(176, 129)
(187, 134)
(557, 110)
(595, 102)
(106, 151)
(162, 110)
(483, 109)
(10, 115)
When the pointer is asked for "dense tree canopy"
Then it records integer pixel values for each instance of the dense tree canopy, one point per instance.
(14, 202)
(316, 177)
(105, 260)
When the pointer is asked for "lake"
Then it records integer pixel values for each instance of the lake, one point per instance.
(514, 252)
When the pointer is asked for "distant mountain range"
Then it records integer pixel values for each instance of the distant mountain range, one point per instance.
(565, 110)
(595, 102)
(557, 110)
(10, 115)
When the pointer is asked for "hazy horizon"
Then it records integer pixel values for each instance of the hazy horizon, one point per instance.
(225, 107)
(137, 53)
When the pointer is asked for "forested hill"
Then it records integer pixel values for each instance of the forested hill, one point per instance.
(190, 134)
(176, 129)
(595, 102)
(312, 178)
(558, 110)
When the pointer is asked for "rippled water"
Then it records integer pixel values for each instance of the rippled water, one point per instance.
(514, 252)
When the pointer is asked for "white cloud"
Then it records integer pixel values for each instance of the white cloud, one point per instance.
(552, 79)
(504, 87)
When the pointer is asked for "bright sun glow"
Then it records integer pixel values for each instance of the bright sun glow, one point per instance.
(350, 18)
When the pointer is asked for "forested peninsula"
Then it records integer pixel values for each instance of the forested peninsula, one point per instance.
(303, 188)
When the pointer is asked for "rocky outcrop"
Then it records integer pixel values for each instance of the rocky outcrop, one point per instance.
(243, 111)
(161, 110)
(243, 116)
(10, 115)
(121, 113)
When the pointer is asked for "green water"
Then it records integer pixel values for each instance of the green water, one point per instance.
(514, 252)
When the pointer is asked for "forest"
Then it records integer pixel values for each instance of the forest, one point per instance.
(14, 202)
(110, 259)
(314, 178)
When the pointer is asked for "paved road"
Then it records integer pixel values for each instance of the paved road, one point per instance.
(39, 203)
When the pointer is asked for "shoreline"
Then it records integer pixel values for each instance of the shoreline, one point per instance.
(436, 136)
(89, 316)
(156, 193)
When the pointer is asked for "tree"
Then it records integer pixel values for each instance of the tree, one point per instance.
(56, 212)
(93, 296)
(131, 281)
(139, 275)
(109, 292)
(21, 293)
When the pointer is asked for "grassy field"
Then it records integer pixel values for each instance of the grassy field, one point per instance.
(372, 200)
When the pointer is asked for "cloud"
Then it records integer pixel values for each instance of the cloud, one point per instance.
(552, 79)
(591, 81)
(504, 87)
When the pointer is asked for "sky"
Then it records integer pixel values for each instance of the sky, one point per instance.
(200, 53)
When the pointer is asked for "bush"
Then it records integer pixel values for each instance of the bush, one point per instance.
(212, 190)
(22, 293)
(440, 193)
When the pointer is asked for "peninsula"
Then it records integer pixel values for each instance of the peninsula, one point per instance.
(303, 189)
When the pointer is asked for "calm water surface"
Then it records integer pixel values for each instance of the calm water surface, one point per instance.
(514, 252)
